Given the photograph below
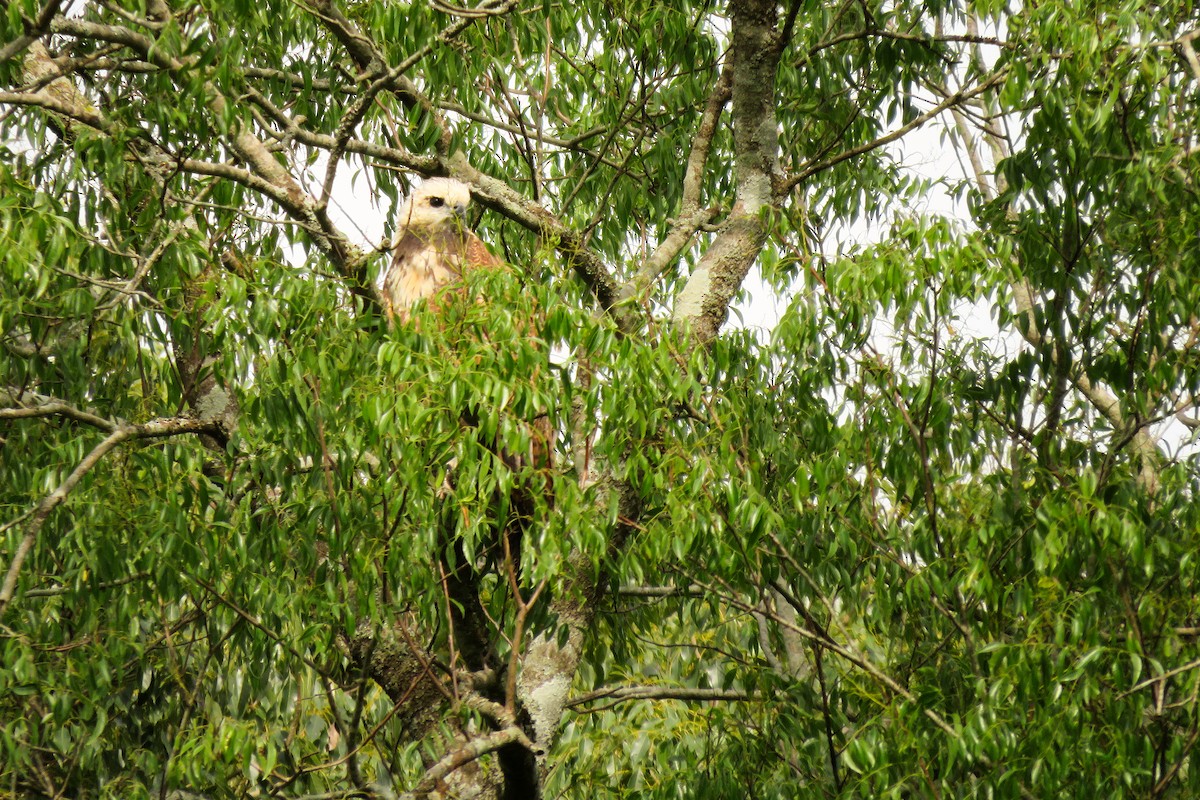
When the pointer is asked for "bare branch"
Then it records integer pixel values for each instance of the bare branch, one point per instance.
(43, 99)
(483, 10)
(469, 752)
(291, 130)
(567, 144)
(1162, 678)
(48, 407)
(1189, 51)
(619, 693)
(660, 591)
(116, 34)
(54, 591)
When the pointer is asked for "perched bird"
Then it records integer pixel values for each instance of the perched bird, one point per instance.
(434, 246)
(434, 249)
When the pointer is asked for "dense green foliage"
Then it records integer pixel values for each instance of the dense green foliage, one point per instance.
(934, 534)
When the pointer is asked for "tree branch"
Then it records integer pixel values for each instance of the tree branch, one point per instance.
(660, 591)
(691, 216)
(1143, 444)
(43, 406)
(1104, 401)
(33, 30)
(958, 98)
(42, 99)
(469, 752)
(120, 433)
(586, 263)
(703, 305)
(619, 693)
(271, 178)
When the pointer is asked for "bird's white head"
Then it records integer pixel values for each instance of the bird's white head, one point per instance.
(433, 202)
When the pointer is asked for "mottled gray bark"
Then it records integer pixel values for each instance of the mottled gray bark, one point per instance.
(703, 305)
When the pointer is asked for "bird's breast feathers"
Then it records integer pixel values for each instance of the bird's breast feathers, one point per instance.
(418, 271)
(426, 259)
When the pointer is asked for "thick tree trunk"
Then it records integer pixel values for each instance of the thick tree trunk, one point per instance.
(703, 305)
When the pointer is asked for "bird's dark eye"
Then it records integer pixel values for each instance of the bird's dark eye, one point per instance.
(437, 202)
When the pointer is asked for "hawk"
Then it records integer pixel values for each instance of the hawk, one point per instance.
(434, 249)
(434, 246)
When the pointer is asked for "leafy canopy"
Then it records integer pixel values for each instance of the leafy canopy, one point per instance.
(933, 533)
